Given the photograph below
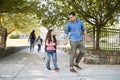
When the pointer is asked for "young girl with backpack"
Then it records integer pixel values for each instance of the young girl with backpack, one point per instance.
(51, 43)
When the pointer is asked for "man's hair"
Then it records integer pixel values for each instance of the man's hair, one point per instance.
(72, 13)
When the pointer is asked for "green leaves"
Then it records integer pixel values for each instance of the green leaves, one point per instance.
(19, 15)
(7, 6)
(95, 12)
(55, 12)
(20, 22)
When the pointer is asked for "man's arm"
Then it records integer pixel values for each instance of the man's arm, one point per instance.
(66, 34)
(86, 36)
(85, 33)
(66, 40)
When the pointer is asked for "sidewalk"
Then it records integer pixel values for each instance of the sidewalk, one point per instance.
(31, 66)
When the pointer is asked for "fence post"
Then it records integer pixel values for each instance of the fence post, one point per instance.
(119, 37)
(94, 38)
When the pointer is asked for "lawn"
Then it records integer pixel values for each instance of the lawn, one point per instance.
(17, 42)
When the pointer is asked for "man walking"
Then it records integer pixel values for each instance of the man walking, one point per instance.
(76, 28)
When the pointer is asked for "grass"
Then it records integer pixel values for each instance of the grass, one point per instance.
(17, 42)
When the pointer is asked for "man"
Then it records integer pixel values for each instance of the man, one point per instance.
(76, 28)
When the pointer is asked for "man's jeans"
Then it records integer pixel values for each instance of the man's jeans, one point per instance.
(51, 53)
(73, 55)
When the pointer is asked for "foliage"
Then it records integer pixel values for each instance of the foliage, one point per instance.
(17, 6)
(95, 13)
(104, 41)
(14, 36)
(19, 15)
(20, 22)
(98, 13)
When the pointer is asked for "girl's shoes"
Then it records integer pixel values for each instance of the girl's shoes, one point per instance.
(57, 69)
(49, 68)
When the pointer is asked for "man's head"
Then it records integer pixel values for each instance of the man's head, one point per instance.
(72, 16)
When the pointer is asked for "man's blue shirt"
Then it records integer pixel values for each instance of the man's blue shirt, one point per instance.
(75, 29)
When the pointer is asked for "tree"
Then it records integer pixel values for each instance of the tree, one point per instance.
(17, 6)
(98, 13)
(18, 14)
(20, 22)
(52, 14)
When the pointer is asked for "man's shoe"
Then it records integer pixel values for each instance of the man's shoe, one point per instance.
(78, 66)
(73, 70)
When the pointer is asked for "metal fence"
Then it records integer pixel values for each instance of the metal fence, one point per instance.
(109, 39)
(3, 36)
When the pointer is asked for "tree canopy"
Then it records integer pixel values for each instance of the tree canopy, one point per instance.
(97, 13)
(18, 15)
(17, 6)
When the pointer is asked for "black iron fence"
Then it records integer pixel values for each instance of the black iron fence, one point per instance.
(3, 36)
(109, 39)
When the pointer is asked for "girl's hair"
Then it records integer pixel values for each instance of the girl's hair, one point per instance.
(33, 32)
(32, 35)
(48, 37)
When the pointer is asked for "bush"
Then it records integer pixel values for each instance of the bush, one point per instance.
(104, 41)
(14, 36)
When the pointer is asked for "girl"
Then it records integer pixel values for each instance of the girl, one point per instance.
(51, 49)
(32, 39)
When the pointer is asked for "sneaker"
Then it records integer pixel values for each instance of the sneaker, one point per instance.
(57, 69)
(49, 68)
(73, 70)
(44, 58)
(78, 66)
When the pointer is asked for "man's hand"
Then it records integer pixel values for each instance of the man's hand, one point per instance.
(87, 39)
(66, 41)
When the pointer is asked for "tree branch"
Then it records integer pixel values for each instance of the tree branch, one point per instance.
(10, 32)
(83, 13)
(109, 14)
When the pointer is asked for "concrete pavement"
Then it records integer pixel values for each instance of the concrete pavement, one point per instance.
(24, 65)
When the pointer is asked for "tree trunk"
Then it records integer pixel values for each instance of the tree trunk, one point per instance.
(5, 37)
(3, 34)
(10, 32)
(98, 31)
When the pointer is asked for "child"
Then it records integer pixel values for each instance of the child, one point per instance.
(51, 43)
(39, 40)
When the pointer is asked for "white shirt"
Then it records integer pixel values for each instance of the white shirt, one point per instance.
(39, 41)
